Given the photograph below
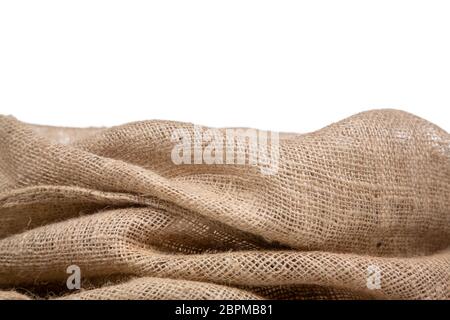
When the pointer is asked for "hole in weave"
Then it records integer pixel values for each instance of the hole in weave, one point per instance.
(379, 244)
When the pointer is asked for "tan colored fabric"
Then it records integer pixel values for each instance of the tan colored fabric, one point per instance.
(12, 295)
(371, 191)
(146, 288)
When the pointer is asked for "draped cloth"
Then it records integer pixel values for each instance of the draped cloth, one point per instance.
(357, 210)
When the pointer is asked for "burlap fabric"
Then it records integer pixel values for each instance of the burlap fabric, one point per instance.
(371, 191)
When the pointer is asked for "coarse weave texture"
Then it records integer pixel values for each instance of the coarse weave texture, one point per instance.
(367, 196)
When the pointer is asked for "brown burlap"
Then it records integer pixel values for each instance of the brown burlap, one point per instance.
(371, 192)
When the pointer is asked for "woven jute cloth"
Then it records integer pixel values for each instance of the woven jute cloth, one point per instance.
(361, 199)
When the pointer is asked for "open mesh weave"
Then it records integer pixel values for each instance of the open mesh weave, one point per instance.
(372, 190)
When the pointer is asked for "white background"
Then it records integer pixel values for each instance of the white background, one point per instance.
(281, 65)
